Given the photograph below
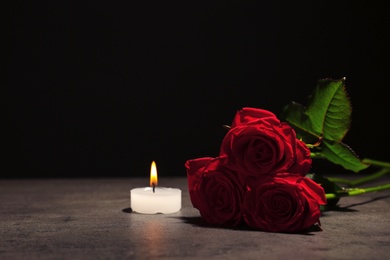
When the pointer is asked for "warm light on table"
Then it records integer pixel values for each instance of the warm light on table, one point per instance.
(153, 199)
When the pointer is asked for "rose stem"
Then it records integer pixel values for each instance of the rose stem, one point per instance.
(365, 179)
(376, 163)
(356, 191)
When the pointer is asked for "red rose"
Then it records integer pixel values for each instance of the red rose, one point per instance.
(249, 115)
(285, 203)
(214, 191)
(258, 143)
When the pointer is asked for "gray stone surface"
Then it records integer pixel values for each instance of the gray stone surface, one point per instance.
(90, 219)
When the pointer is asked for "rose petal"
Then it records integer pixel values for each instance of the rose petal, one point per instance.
(249, 115)
(195, 169)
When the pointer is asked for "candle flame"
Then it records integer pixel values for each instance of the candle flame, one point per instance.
(153, 174)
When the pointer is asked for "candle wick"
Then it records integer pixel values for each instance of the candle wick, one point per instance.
(154, 187)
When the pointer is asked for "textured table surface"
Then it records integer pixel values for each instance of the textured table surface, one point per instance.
(91, 219)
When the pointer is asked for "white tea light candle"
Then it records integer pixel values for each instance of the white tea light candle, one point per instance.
(153, 200)
(163, 200)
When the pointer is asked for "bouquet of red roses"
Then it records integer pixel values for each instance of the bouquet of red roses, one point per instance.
(261, 176)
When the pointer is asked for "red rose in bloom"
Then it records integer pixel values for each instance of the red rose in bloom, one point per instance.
(284, 203)
(258, 143)
(214, 191)
(249, 115)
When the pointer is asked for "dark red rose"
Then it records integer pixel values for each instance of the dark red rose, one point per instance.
(258, 143)
(283, 203)
(249, 115)
(303, 160)
(214, 191)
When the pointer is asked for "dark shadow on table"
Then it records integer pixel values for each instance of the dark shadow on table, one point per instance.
(198, 222)
(348, 208)
(368, 201)
(127, 210)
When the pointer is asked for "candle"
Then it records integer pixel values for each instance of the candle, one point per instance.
(153, 199)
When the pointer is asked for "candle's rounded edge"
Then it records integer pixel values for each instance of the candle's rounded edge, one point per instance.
(155, 213)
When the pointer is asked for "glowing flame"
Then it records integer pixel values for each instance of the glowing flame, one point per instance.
(153, 174)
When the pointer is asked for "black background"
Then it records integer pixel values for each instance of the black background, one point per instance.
(102, 88)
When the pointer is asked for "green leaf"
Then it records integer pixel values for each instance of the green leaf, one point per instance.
(296, 117)
(329, 109)
(327, 115)
(325, 121)
(340, 153)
